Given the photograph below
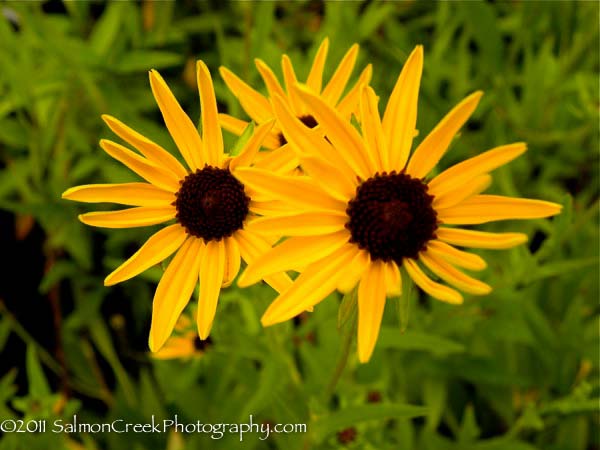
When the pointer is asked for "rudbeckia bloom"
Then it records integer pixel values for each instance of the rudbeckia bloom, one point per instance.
(183, 344)
(207, 202)
(260, 110)
(368, 210)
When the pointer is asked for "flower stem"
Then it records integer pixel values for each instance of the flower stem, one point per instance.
(347, 339)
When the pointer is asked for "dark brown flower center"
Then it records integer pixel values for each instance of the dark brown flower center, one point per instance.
(391, 216)
(308, 120)
(211, 203)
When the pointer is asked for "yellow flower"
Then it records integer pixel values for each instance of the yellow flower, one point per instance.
(260, 110)
(366, 209)
(208, 203)
(183, 344)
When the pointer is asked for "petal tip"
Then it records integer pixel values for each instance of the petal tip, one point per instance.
(267, 320)
(204, 331)
(67, 193)
(107, 118)
(364, 356)
(111, 280)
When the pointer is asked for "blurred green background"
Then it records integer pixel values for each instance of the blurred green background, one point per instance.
(515, 370)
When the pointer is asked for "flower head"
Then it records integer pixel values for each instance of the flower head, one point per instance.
(183, 344)
(260, 109)
(206, 201)
(367, 209)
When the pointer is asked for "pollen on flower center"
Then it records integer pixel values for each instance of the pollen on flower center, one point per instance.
(211, 203)
(307, 120)
(391, 216)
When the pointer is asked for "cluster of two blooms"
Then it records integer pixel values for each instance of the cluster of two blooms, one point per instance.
(356, 213)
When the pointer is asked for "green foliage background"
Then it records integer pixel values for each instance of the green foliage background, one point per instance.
(517, 369)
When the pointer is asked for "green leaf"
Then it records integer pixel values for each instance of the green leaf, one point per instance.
(266, 390)
(434, 396)
(469, 430)
(38, 385)
(530, 419)
(561, 267)
(374, 15)
(107, 29)
(415, 340)
(13, 133)
(7, 390)
(481, 19)
(350, 416)
(57, 272)
(242, 140)
(263, 14)
(144, 60)
(102, 340)
(150, 401)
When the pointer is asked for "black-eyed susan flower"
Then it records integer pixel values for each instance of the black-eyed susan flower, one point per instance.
(260, 110)
(184, 343)
(367, 209)
(206, 201)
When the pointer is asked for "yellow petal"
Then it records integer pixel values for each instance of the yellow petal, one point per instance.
(332, 92)
(157, 248)
(436, 290)
(488, 208)
(346, 142)
(293, 253)
(313, 285)
(372, 131)
(371, 303)
(232, 124)
(301, 191)
(454, 276)
(140, 216)
(465, 171)
(290, 79)
(315, 76)
(304, 223)
(282, 160)
(393, 280)
(146, 147)
(400, 117)
(247, 154)
(268, 207)
(454, 256)
(273, 86)
(211, 278)
(177, 347)
(134, 194)
(349, 103)
(232, 261)
(473, 187)
(480, 239)
(433, 147)
(257, 106)
(354, 271)
(329, 177)
(237, 127)
(305, 141)
(140, 165)
(212, 138)
(252, 247)
(174, 291)
(181, 128)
